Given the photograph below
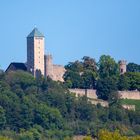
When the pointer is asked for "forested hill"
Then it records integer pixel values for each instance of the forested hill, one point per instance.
(42, 109)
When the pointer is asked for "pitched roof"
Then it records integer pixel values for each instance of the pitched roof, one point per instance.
(35, 33)
(16, 66)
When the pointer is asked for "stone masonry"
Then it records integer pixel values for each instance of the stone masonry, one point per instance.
(37, 62)
(91, 94)
(122, 66)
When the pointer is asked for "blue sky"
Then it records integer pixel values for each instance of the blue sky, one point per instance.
(72, 29)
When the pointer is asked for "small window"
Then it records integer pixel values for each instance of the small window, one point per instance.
(121, 70)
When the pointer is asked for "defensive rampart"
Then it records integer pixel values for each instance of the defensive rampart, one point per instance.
(90, 93)
(135, 95)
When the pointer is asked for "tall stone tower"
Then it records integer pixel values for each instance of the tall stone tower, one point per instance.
(48, 65)
(122, 66)
(35, 52)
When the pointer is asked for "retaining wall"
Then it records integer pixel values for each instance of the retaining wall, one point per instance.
(81, 92)
(135, 95)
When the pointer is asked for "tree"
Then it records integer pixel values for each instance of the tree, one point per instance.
(47, 117)
(85, 110)
(2, 75)
(4, 138)
(123, 82)
(73, 79)
(132, 67)
(2, 117)
(89, 63)
(76, 66)
(116, 113)
(89, 74)
(81, 74)
(106, 135)
(45, 109)
(87, 138)
(107, 66)
(89, 79)
(107, 89)
(134, 80)
(21, 78)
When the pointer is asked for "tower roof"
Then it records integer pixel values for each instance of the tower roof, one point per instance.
(35, 33)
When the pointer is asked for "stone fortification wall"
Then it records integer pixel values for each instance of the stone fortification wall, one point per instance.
(48, 61)
(101, 102)
(58, 72)
(80, 137)
(91, 94)
(81, 92)
(135, 95)
(55, 72)
(129, 107)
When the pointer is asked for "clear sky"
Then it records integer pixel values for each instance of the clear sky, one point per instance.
(72, 29)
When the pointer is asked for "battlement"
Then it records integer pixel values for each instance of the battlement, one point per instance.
(122, 62)
(48, 56)
(122, 66)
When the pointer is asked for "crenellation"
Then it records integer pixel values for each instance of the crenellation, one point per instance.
(122, 66)
(38, 62)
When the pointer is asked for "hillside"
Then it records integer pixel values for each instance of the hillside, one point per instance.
(41, 109)
(44, 109)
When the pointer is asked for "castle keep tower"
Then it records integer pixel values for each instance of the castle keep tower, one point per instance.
(122, 66)
(35, 52)
(48, 60)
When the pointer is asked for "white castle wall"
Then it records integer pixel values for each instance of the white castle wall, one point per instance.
(58, 72)
(81, 92)
(129, 107)
(101, 102)
(135, 95)
(91, 94)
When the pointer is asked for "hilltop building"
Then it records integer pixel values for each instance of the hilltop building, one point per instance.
(54, 71)
(16, 66)
(122, 66)
(40, 63)
(35, 52)
(37, 61)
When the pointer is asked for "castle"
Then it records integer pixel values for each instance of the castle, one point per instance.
(38, 63)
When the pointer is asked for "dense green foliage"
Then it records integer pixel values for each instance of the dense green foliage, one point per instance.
(106, 135)
(131, 102)
(103, 76)
(132, 67)
(81, 74)
(42, 109)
